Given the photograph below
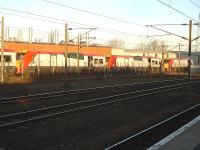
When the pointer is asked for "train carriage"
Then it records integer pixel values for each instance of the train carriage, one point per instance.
(173, 64)
(51, 62)
(145, 61)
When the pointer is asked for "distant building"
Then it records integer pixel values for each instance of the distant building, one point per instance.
(146, 53)
(194, 55)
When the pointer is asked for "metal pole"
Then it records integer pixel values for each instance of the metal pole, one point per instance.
(19, 34)
(79, 36)
(189, 54)
(30, 31)
(162, 61)
(7, 33)
(2, 49)
(55, 36)
(50, 65)
(22, 68)
(179, 57)
(87, 39)
(66, 50)
(38, 64)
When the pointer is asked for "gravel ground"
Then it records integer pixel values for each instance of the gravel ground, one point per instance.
(17, 86)
(101, 127)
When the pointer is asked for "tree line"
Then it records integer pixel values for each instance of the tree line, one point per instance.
(151, 45)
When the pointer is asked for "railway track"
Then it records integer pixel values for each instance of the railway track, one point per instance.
(88, 91)
(149, 136)
(21, 118)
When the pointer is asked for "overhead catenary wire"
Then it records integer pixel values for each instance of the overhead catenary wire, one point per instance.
(166, 32)
(42, 16)
(187, 16)
(194, 3)
(93, 13)
(173, 24)
(170, 24)
(110, 31)
(51, 19)
(158, 35)
(62, 20)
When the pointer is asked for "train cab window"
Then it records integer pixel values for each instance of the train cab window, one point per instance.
(74, 56)
(7, 58)
(149, 60)
(90, 58)
(137, 58)
(100, 61)
(19, 56)
(95, 61)
(106, 59)
(166, 61)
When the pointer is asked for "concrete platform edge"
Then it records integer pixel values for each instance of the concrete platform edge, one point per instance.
(174, 134)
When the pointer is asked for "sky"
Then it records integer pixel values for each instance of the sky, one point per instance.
(137, 12)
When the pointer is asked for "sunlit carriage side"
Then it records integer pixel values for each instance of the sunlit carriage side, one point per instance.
(176, 64)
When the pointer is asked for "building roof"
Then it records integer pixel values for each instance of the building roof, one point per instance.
(144, 51)
(186, 52)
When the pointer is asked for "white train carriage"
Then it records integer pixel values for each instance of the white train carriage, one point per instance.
(123, 61)
(9, 62)
(58, 60)
(98, 61)
(119, 61)
(9, 58)
(142, 61)
(183, 62)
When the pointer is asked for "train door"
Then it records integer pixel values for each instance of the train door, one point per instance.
(90, 62)
(112, 61)
(53, 63)
(19, 62)
(126, 62)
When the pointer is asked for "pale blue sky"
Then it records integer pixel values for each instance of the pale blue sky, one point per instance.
(137, 11)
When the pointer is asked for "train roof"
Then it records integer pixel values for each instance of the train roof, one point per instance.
(147, 57)
(23, 47)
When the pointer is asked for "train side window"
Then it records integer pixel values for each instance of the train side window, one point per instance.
(19, 56)
(137, 58)
(7, 58)
(100, 61)
(95, 61)
(106, 59)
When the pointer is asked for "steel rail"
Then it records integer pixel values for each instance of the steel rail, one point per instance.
(90, 100)
(150, 92)
(152, 127)
(40, 96)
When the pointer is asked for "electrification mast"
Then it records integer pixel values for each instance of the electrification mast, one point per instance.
(198, 34)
